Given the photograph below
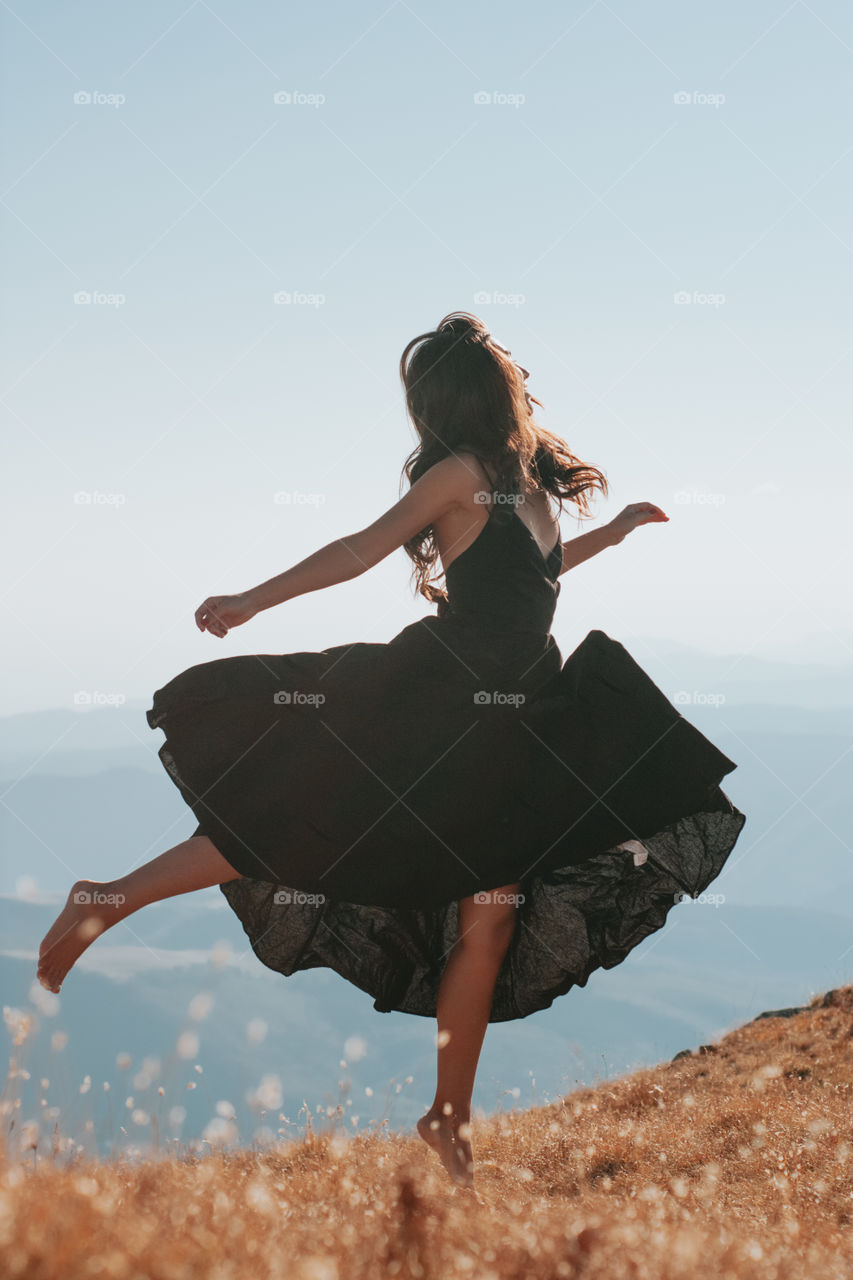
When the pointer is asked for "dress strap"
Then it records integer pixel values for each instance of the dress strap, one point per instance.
(493, 491)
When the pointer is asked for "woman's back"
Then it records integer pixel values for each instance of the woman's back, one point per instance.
(501, 580)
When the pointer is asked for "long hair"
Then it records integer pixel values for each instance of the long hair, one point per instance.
(464, 393)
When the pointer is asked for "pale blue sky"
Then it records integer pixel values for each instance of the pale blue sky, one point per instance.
(591, 201)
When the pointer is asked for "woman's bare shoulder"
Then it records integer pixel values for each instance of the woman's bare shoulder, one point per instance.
(471, 462)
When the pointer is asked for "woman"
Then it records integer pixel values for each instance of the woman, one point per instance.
(456, 821)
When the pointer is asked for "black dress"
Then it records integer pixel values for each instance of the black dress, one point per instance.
(361, 791)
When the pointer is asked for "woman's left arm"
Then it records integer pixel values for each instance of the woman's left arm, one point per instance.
(576, 550)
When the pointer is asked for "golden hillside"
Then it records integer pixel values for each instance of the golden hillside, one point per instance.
(734, 1161)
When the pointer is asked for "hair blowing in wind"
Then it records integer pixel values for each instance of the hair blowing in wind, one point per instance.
(465, 393)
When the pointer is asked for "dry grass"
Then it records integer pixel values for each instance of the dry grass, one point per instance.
(734, 1162)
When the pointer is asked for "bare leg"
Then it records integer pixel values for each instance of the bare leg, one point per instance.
(93, 907)
(486, 928)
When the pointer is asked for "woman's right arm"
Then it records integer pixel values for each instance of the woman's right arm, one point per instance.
(448, 483)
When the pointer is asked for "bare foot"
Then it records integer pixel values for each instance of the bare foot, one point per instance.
(89, 910)
(449, 1136)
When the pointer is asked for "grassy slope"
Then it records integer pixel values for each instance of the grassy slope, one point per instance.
(736, 1161)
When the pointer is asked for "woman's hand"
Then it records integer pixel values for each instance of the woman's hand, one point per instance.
(635, 514)
(219, 614)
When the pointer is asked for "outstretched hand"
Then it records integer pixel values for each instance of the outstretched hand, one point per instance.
(636, 513)
(219, 614)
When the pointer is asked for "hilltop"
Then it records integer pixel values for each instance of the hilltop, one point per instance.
(733, 1160)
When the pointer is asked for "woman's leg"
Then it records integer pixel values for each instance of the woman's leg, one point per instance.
(487, 923)
(93, 907)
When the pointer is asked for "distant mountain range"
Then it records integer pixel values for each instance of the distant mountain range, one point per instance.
(707, 970)
(84, 794)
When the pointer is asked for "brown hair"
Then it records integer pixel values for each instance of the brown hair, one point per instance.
(465, 394)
